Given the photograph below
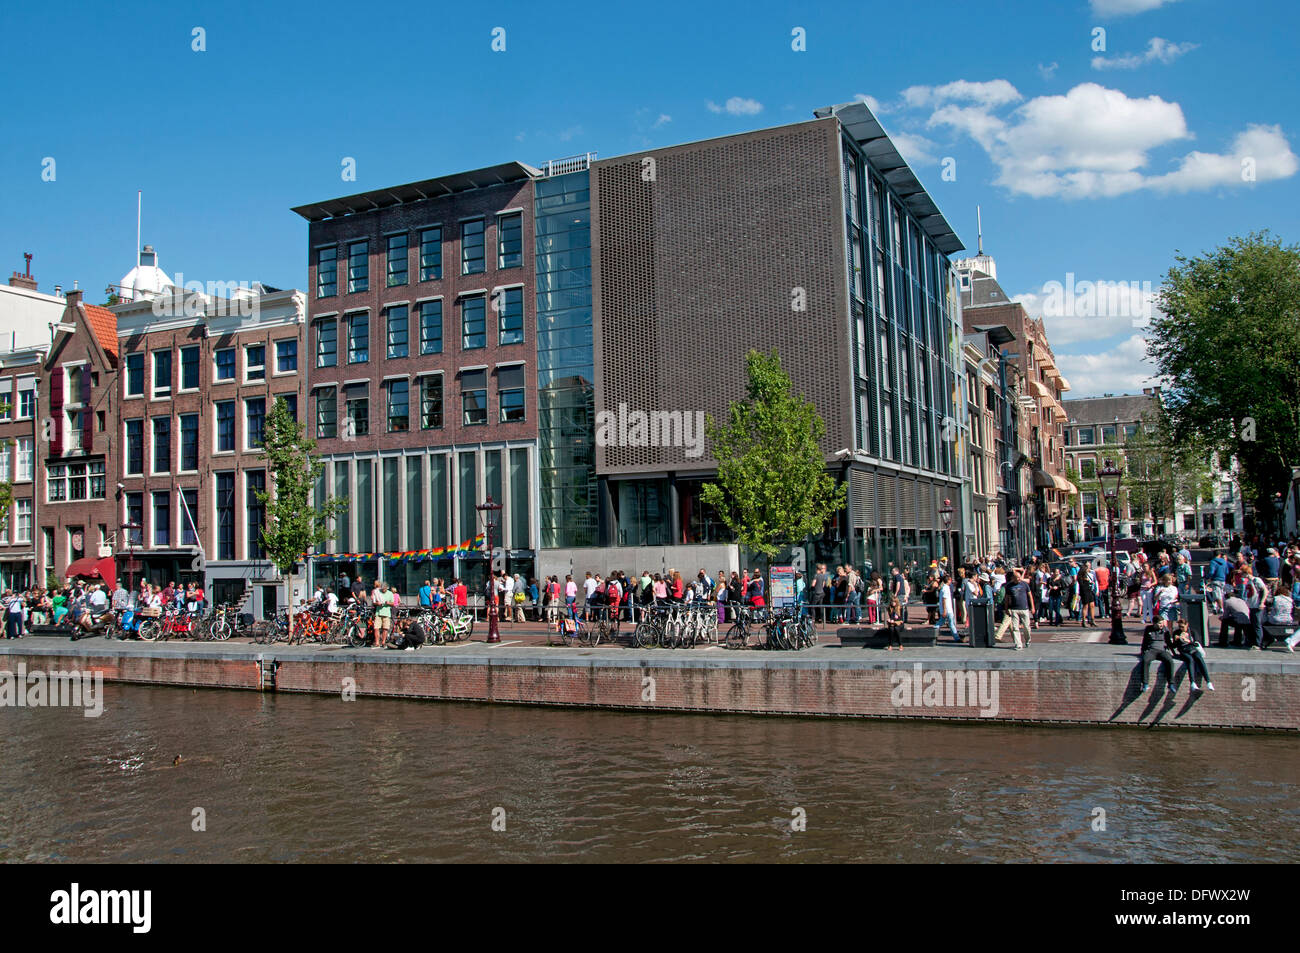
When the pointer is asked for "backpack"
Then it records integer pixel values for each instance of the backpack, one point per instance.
(861, 585)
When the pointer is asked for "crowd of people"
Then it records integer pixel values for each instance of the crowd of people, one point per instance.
(84, 604)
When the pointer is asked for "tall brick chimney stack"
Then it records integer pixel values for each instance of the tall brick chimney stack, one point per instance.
(74, 297)
(24, 280)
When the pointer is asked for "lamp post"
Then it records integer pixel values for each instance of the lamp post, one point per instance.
(1012, 520)
(945, 513)
(1279, 506)
(1110, 477)
(489, 509)
(130, 557)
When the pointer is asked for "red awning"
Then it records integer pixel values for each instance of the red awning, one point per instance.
(105, 569)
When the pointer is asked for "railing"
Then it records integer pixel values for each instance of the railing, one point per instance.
(568, 164)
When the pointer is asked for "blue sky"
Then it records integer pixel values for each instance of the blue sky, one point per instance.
(1096, 163)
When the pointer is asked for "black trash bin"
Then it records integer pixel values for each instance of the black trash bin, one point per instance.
(1192, 605)
(981, 622)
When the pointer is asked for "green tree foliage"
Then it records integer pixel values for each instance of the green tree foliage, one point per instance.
(292, 526)
(772, 486)
(1228, 346)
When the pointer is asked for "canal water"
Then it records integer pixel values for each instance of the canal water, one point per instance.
(312, 778)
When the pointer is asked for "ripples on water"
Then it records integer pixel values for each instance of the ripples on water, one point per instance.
(313, 778)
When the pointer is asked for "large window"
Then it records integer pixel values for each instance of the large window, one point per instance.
(397, 260)
(358, 267)
(162, 373)
(23, 521)
(189, 442)
(431, 402)
(255, 362)
(327, 412)
(189, 513)
(398, 405)
(135, 447)
(255, 417)
(327, 272)
(473, 322)
(162, 444)
(27, 398)
(430, 327)
(358, 337)
(225, 515)
(190, 368)
(1087, 436)
(1088, 468)
(510, 305)
(26, 460)
(510, 387)
(327, 342)
(135, 375)
(286, 355)
(431, 254)
(255, 483)
(357, 409)
(398, 326)
(473, 397)
(471, 247)
(510, 241)
(225, 362)
(226, 427)
(162, 519)
(135, 518)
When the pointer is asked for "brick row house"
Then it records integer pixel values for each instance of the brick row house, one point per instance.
(423, 370)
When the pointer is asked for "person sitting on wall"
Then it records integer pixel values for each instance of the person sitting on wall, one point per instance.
(894, 624)
(1193, 656)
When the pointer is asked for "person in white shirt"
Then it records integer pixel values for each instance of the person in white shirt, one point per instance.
(332, 602)
(946, 609)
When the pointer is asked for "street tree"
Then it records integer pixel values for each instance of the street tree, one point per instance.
(772, 486)
(293, 527)
(1227, 346)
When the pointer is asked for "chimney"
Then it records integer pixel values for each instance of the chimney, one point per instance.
(58, 291)
(74, 298)
(22, 281)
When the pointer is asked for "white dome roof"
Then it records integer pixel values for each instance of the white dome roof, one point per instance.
(146, 279)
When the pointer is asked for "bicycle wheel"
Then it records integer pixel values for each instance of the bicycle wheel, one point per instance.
(737, 636)
(149, 630)
(645, 635)
(593, 632)
(567, 637)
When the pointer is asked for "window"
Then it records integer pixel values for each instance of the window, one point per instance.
(162, 373)
(358, 337)
(510, 241)
(226, 427)
(357, 400)
(76, 421)
(226, 364)
(97, 485)
(162, 519)
(1108, 434)
(1130, 431)
(327, 272)
(225, 491)
(327, 342)
(473, 322)
(431, 254)
(23, 523)
(358, 267)
(471, 247)
(255, 362)
(431, 402)
(286, 355)
(473, 397)
(1087, 436)
(162, 444)
(135, 375)
(509, 302)
(135, 446)
(290, 404)
(397, 260)
(6, 462)
(255, 484)
(327, 412)
(430, 327)
(189, 442)
(255, 418)
(398, 341)
(1088, 469)
(135, 518)
(398, 405)
(190, 368)
(189, 507)
(56, 484)
(27, 399)
(510, 387)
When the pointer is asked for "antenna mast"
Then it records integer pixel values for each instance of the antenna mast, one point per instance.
(979, 228)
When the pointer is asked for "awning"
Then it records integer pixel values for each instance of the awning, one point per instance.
(1050, 480)
(1043, 392)
(105, 569)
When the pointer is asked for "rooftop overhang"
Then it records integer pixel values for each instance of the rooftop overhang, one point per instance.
(860, 123)
(998, 333)
(416, 191)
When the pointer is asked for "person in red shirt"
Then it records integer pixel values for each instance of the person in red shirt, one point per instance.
(1103, 588)
(462, 593)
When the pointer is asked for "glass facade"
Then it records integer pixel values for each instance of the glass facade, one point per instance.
(565, 365)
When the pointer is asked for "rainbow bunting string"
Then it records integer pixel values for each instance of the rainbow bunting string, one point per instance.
(412, 556)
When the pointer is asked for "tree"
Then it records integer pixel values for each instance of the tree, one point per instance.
(1160, 473)
(772, 486)
(292, 527)
(1228, 348)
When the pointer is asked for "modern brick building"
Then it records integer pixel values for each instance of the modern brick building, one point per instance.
(423, 369)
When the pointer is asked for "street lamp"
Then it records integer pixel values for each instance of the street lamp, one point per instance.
(1110, 477)
(489, 509)
(1012, 519)
(1279, 505)
(945, 513)
(130, 558)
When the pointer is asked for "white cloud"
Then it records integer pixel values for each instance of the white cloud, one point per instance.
(736, 106)
(1047, 72)
(872, 102)
(917, 150)
(996, 92)
(1123, 369)
(1157, 51)
(1095, 142)
(1124, 8)
(663, 120)
(1075, 309)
